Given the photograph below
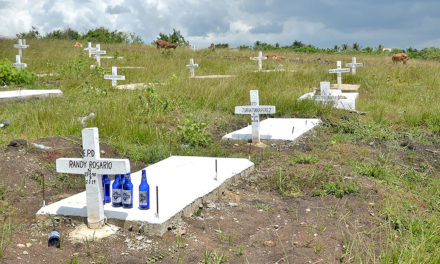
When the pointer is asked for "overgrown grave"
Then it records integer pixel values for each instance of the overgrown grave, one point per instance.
(334, 97)
(271, 129)
(170, 181)
(24, 93)
(260, 59)
(131, 86)
(20, 46)
(191, 66)
(18, 64)
(98, 52)
(343, 87)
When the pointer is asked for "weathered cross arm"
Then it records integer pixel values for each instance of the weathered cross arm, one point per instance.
(339, 70)
(104, 166)
(260, 109)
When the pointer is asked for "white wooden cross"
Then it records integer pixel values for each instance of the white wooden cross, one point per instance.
(93, 167)
(90, 49)
(21, 45)
(191, 67)
(18, 64)
(114, 76)
(339, 70)
(353, 65)
(98, 52)
(260, 59)
(255, 110)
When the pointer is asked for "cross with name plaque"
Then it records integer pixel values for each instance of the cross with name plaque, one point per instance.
(93, 167)
(353, 65)
(260, 59)
(90, 49)
(21, 45)
(339, 70)
(255, 110)
(191, 67)
(98, 52)
(18, 64)
(114, 77)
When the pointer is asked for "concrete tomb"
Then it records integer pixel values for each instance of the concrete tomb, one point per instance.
(178, 185)
(114, 76)
(98, 52)
(274, 129)
(339, 71)
(93, 167)
(22, 94)
(90, 49)
(21, 45)
(353, 65)
(191, 66)
(335, 97)
(18, 64)
(255, 110)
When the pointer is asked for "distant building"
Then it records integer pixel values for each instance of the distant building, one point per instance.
(387, 49)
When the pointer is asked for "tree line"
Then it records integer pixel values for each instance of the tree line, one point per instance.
(104, 35)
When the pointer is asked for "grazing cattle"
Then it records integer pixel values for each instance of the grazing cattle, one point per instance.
(403, 57)
(165, 44)
(276, 57)
(78, 45)
(212, 47)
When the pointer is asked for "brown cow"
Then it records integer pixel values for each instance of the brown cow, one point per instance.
(78, 45)
(165, 44)
(212, 47)
(403, 57)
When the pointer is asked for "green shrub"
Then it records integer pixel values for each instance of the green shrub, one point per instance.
(194, 133)
(10, 75)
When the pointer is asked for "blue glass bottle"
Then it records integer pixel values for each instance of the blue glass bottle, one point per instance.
(144, 192)
(127, 192)
(122, 179)
(117, 192)
(106, 187)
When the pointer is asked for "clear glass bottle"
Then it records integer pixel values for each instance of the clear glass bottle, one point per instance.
(117, 192)
(127, 192)
(144, 192)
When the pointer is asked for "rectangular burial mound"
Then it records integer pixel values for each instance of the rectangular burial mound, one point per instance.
(183, 183)
(277, 129)
(18, 94)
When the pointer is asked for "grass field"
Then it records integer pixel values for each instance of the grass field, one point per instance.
(401, 102)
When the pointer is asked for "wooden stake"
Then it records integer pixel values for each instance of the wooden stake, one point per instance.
(216, 170)
(157, 201)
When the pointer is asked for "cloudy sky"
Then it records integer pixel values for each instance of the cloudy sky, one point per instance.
(323, 23)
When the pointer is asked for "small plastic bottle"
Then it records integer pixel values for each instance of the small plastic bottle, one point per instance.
(144, 192)
(54, 239)
(117, 192)
(127, 192)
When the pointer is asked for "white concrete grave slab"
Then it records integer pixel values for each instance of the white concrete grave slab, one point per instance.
(93, 167)
(353, 65)
(273, 129)
(24, 94)
(260, 59)
(98, 52)
(20, 46)
(339, 71)
(191, 66)
(114, 76)
(112, 57)
(183, 183)
(136, 86)
(90, 49)
(337, 98)
(18, 64)
(255, 110)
